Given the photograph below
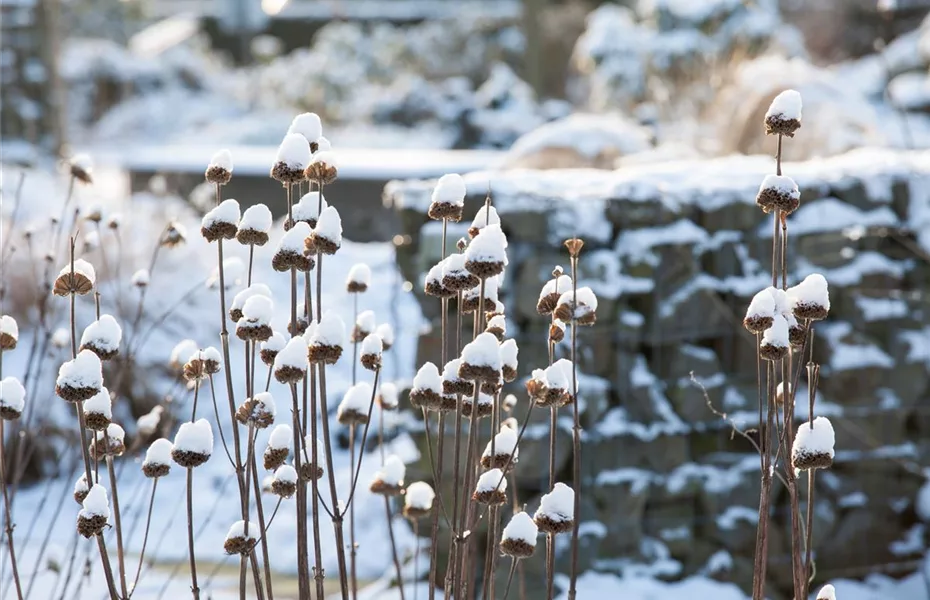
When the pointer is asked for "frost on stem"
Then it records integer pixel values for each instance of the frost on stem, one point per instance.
(371, 352)
(784, 114)
(326, 339)
(12, 398)
(284, 484)
(258, 411)
(290, 253)
(254, 225)
(81, 282)
(238, 541)
(508, 353)
(359, 278)
(504, 444)
(102, 337)
(9, 333)
(255, 324)
(193, 444)
(293, 157)
(813, 446)
(556, 512)
(353, 410)
(221, 222)
(81, 378)
(448, 198)
(551, 291)
(491, 488)
(306, 210)
(418, 501)
(427, 387)
(219, 171)
(389, 480)
(98, 411)
(96, 510)
(326, 237)
(279, 446)
(778, 192)
(481, 359)
(486, 255)
(519, 537)
(585, 313)
(810, 299)
(364, 325)
(256, 289)
(775, 342)
(157, 461)
(386, 333)
(269, 348)
(291, 363)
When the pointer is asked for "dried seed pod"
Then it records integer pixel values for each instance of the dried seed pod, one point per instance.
(221, 222)
(389, 480)
(491, 488)
(784, 114)
(219, 171)
(238, 541)
(157, 461)
(519, 537)
(258, 411)
(193, 444)
(81, 378)
(813, 445)
(323, 168)
(80, 281)
(254, 226)
(556, 512)
(284, 484)
(355, 405)
(9, 333)
(12, 399)
(778, 192)
(293, 157)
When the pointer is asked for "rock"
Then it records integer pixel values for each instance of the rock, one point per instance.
(621, 496)
(674, 317)
(632, 208)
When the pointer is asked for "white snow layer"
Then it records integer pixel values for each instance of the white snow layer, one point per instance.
(386, 332)
(80, 485)
(293, 240)
(505, 442)
(258, 310)
(450, 189)
(256, 289)
(148, 423)
(275, 343)
(183, 351)
(325, 157)
(330, 331)
(96, 503)
(282, 436)
(286, 473)
(294, 355)
(559, 285)
(521, 527)
(486, 216)
(307, 207)
(359, 273)
(104, 333)
(195, 437)
(113, 431)
(777, 334)
(491, 480)
(782, 184)
(389, 395)
(366, 321)
(420, 495)
(329, 225)
(140, 277)
(357, 398)
(508, 352)
(371, 344)
(307, 124)
(484, 350)
(294, 151)
(762, 305)
(827, 592)
(428, 378)
(226, 212)
(12, 394)
(100, 404)
(238, 531)
(159, 452)
(222, 159)
(787, 104)
(392, 471)
(83, 371)
(559, 504)
(80, 266)
(490, 245)
(820, 439)
(256, 217)
(8, 326)
(266, 401)
(812, 290)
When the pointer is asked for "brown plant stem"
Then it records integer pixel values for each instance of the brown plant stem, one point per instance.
(9, 519)
(337, 518)
(353, 548)
(390, 524)
(314, 486)
(256, 486)
(145, 536)
(120, 556)
(195, 590)
(576, 439)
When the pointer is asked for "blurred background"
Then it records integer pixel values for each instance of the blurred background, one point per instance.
(636, 124)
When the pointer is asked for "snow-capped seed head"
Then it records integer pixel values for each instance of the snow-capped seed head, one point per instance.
(80, 486)
(448, 198)
(307, 124)
(240, 539)
(292, 158)
(98, 411)
(174, 235)
(290, 253)
(497, 453)
(481, 358)
(9, 333)
(108, 442)
(761, 312)
(813, 445)
(193, 444)
(80, 282)
(326, 237)
(269, 348)
(323, 167)
(279, 446)
(775, 342)
(322, 144)
(328, 339)
(551, 291)
(784, 114)
(827, 592)
(370, 352)
(102, 337)
(433, 283)
(202, 364)
(427, 387)
(585, 313)
(221, 222)
(556, 512)
(96, 510)
(291, 364)
(508, 354)
(486, 215)
(364, 325)
(509, 402)
(308, 209)
(356, 405)
(810, 299)
(82, 167)
(778, 192)
(148, 423)
(284, 484)
(486, 255)
(519, 537)
(256, 289)
(81, 378)
(454, 276)
(491, 488)
(258, 411)
(182, 352)
(359, 278)
(157, 461)
(418, 500)
(497, 325)
(12, 398)
(386, 333)
(140, 278)
(388, 396)
(61, 338)
(389, 480)
(219, 171)
(254, 225)
(255, 324)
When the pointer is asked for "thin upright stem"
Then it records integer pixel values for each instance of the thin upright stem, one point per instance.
(145, 536)
(353, 549)
(120, 556)
(513, 566)
(576, 438)
(390, 524)
(314, 486)
(9, 519)
(337, 515)
(190, 533)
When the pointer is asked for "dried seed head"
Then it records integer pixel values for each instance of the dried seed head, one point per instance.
(81, 168)
(258, 411)
(219, 171)
(574, 246)
(80, 281)
(461, 244)
(9, 333)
